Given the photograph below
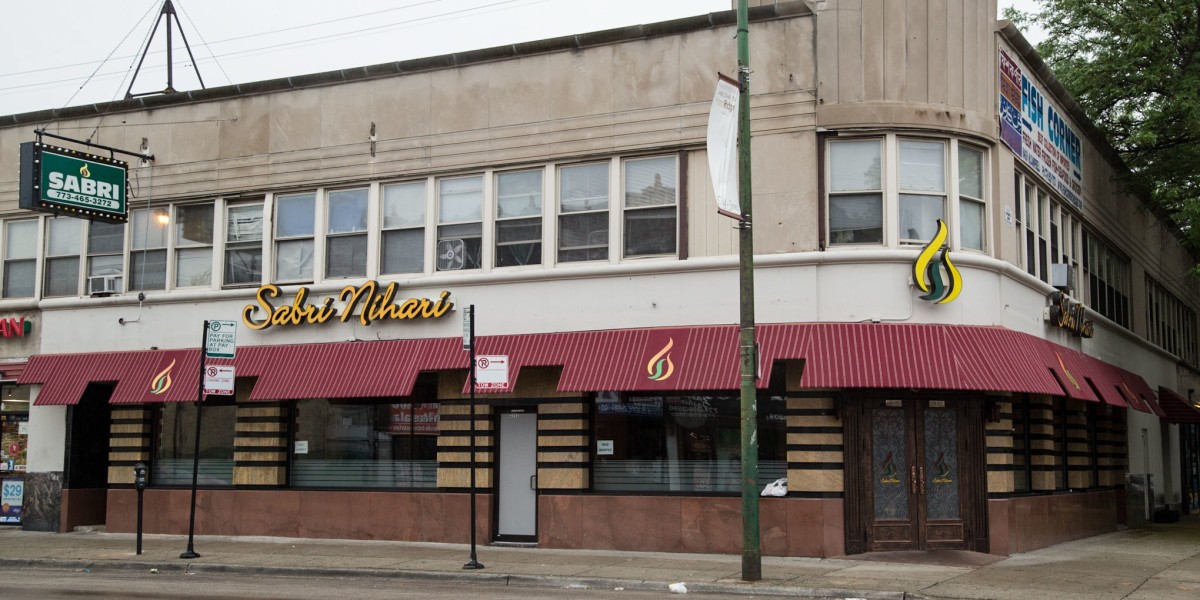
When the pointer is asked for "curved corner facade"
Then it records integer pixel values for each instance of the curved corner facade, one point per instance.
(969, 337)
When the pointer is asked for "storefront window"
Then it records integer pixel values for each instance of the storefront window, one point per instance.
(352, 444)
(176, 443)
(689, 443)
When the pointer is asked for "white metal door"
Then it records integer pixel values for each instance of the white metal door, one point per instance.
(518, 476)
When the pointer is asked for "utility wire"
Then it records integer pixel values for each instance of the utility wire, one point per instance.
(235, 38)
(202, 43)
(114, 50)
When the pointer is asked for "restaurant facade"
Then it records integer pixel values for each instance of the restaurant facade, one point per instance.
(969, 337)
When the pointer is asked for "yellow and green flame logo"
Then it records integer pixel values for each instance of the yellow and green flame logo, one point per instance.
(162, 382)
(928, 273)
(660, 367)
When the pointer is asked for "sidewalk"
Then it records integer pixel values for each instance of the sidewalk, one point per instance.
(1160, 562)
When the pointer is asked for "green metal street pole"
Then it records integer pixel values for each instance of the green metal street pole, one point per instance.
(751, 552)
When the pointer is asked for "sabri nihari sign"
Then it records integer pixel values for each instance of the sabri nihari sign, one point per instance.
(364, 303)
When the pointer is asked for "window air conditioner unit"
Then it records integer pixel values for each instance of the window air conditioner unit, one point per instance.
(1062, 275)
(104, 285)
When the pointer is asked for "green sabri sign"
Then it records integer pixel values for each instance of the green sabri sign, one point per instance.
(62, 180)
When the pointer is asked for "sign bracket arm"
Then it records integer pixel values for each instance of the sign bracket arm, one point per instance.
(42, 132)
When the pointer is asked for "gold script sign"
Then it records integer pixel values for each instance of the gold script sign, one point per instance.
(372, 305)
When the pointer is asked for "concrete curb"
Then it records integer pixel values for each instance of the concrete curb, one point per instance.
(550, 581)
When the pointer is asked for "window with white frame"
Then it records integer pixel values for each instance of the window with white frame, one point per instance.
(856, 191)
(583, 212)
(892, 190)
(1108, 279)
(148, 252)
(651, 206)
(460, 223)
(1050, 230)
(64, 245)
(294, 233)
(922, 172)
(403, 240)
(519, 218)
(972, 214)
(346, 234)
(106, 256)
(1170, 323)
(243, 244)
(193, 240)
(20, 258)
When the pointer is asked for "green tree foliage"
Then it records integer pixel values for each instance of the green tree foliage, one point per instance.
(1134, 67)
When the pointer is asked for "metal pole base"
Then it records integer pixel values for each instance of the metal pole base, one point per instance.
(189, 554)
(472, 565)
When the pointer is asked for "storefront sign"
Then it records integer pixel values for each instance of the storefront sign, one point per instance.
(604, 447)
(364, 302)
(14, 327)
(1038, 132)
(1070, 315)
(927, 272)
(60, 180)
(12, 494)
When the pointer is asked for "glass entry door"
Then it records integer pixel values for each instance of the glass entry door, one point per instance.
(915, 488)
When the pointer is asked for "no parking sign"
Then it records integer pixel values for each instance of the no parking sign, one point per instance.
(491, 372)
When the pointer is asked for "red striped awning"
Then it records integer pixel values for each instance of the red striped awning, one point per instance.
(835, 355)
(11, 371)
(1176, 408)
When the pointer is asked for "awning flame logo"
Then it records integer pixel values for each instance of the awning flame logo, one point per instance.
(655, 367)
(162, 382)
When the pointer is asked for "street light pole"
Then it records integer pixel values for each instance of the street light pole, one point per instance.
(751, 551)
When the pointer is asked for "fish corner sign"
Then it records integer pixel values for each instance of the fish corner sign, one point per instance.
(80, 184)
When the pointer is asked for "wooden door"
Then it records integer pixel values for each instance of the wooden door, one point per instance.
(914, 490)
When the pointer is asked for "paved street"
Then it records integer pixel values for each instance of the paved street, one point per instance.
(39, 584)
(1158, 562)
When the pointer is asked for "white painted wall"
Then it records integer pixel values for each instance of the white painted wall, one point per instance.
(47, 437)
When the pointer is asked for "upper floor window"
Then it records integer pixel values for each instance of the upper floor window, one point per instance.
(1049, 232)
(892, 190)
(922, 189)
(519, 218)
(1170, 323)
(243, 243)
(20, 258)
(972, 216)
(106, 256)
(346, 234)
(651, 199)
(460, 223)
(294, 233)
(64, 242)
(1108, 279)
(403, 244)
(583, 212)
(193, 240)
(856, 192)
(148, 253)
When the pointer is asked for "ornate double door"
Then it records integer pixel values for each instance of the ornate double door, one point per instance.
(920, 476)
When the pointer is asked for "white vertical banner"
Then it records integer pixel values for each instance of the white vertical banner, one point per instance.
(722, 146)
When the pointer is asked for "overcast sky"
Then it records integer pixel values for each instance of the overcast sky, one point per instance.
(57, 53)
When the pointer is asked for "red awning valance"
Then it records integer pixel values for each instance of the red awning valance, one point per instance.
(835, 355)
